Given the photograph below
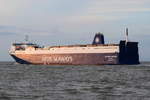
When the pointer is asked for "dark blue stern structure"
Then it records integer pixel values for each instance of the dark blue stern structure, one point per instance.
(129, 53)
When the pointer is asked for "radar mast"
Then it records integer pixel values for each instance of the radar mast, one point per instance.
(127, 39)
(26, 38)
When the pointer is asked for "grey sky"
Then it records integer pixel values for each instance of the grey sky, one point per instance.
(59, 22)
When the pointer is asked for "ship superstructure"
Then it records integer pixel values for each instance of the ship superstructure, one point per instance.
(96, 53)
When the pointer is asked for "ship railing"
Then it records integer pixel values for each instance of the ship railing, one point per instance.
(88, 45)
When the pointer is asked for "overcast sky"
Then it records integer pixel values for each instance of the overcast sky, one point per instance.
(60, 22)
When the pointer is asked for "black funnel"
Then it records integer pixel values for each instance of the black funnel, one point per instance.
(98, 39)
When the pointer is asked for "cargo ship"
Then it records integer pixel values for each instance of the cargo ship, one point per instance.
(97, 53)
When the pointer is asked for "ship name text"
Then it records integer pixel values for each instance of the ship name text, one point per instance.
(57, 59)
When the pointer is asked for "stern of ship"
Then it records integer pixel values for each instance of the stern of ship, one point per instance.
(129, 53)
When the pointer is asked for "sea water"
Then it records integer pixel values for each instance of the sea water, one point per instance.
(61, 82)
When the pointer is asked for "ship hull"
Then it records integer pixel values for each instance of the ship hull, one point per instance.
(68, 59)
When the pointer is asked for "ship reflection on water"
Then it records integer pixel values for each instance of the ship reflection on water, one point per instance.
(105, 82)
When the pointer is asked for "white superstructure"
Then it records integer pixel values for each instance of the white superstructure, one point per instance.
(69, 49)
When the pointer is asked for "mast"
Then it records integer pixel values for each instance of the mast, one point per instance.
(127, 39)
(26, 38)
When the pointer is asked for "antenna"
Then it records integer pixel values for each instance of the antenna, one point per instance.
(26, 38)
(127, 39)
